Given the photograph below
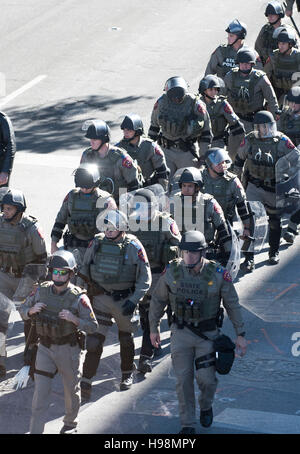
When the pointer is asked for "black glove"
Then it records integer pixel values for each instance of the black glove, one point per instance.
(128, 308)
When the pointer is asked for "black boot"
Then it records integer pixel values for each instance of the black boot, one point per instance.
(206, 417)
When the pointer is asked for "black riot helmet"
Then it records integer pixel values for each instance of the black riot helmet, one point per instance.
(98, 130)
(133, 122)
(210, 81)
(193, 240)
(64, 260)
(16, 198)
(282, 35)
(87, 176)
(264, 125)
(176, 88)
(293, 95)
(274, 8)
(191, 175)
(237, 28)
(245, 55)
(214, 156)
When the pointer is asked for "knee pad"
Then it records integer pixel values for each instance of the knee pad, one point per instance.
(94, 343)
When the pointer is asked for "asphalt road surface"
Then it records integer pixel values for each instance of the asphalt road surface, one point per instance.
(63, 62)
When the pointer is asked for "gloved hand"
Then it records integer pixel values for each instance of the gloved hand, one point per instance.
(128, 308)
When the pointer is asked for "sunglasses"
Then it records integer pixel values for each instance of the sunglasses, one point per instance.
(60, 272)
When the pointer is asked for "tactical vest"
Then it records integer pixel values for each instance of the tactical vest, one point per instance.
(109, 266)
(284, 68)
(194, 298)
(216, 113)
(195, 217)
(220, 188)
(83, 214)
(290, 126)
(174, 118)
(154, 240)
(269, 43)
(140, 153)
(48, 323)
(242, 91)
(262, 158)
(15, 246)
(228, 60)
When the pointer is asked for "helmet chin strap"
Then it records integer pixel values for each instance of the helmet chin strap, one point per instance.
(273, 23)
(13, 217)
(220, 174)
(209, 97)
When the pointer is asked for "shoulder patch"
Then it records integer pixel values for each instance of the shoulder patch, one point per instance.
(66, 198)
(243, 142)
(238, 183)
(227, 108)
(173, 227)
(201, 108)
(85, 301)
(127, 162)
(288, 143)
(40, 233)
(267, 80)
(155, 105)
(217, 207)
(226, 276)
(90, 243)
(141, 251)
(158, 150)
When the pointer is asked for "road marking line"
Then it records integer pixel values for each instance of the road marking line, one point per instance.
(270, 342)
(286, 290)
(22, 89)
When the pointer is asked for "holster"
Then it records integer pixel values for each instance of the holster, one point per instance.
(224, 348)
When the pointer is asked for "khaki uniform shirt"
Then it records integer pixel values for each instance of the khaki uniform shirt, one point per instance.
(223, 286)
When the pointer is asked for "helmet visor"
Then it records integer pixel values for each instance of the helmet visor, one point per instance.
(265, 130)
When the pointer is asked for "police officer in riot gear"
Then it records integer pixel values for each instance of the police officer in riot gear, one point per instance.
(258, 155)
(193, 209)
(145, 151)
(223, 59)
(265, 43)
(195, 288)
(226, 126)
(7, 148)
(289, 122)
(22, 254)
(114, 163)
(225, 187)
(283, 64)
(61, 310)
(159, 235)
(117, 264)
(80, 209)
(248, 89)
(178, 121)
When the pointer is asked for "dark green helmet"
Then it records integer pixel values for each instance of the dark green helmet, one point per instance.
(237, 28)
(293, 95)
(87, 176)
(282, 35)
(16, 198)
(63, 259)
(274, 8)
(262, 117)
(210, 81)
(191, 175)
(98, 130)
(193, 241)
(133, 122)
(245, 55)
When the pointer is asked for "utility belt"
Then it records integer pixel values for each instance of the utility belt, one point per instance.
(247, 117)
(260, 184)
(8, 270)
(118, 295)
(196, 328)
(72, 241)
(71, 339)
(181, 144)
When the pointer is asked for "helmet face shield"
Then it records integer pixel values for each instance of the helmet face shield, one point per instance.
(265, 130)
(215, 157)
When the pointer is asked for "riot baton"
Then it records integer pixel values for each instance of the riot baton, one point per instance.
(293, 22)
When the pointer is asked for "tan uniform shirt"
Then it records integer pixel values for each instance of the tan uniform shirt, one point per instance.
(223, 286)
(82, 309)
